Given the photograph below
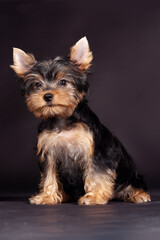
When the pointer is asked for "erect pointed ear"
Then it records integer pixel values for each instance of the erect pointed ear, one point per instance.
(80, 54)
(22, 61)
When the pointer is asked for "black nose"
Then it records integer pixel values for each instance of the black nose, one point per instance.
(48, 97)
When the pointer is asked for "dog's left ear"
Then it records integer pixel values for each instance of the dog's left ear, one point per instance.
(22, 61)
(80, 54)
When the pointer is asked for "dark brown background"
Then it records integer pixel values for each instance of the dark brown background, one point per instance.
(125, 86)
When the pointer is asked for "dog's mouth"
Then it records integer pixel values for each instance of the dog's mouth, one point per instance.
(52, 110)
(51, 106)
(54, 105)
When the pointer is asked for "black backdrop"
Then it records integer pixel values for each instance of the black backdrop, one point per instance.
(125, 86)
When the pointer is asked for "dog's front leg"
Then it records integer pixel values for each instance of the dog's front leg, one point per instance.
(51, 191)
(98, 186)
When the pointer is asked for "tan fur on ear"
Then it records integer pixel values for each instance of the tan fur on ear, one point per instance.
(80, 54)
(22, 61)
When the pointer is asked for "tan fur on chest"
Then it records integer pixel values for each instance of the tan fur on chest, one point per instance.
(74, 143)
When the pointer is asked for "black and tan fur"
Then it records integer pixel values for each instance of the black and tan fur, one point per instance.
(80, 160)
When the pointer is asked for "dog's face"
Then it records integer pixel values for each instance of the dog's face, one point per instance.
(55, 87)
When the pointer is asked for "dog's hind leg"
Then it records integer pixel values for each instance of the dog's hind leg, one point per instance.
(135, 195)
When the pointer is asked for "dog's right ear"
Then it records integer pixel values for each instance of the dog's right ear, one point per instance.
(22, 62)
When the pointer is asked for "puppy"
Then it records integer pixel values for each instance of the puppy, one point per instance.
(80, 160)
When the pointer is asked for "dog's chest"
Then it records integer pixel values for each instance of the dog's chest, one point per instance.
(67, 145)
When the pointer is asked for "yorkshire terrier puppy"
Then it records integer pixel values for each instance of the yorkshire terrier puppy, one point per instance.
(80, 159)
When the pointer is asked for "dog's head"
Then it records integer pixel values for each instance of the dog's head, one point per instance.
(54, 87)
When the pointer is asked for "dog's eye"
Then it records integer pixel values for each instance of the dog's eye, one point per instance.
(38, 84)
(63, 82)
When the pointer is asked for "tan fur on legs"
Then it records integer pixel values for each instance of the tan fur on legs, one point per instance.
(51, 144)
(51, 189)
(98, 188)
(49, 195)
(131, 194)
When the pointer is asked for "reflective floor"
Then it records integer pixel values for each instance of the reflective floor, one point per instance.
(116, 220)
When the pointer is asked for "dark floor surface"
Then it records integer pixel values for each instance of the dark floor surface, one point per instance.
(116, 220)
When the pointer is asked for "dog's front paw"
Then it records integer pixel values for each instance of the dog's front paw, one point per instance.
(92, 199)
(43, 199)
